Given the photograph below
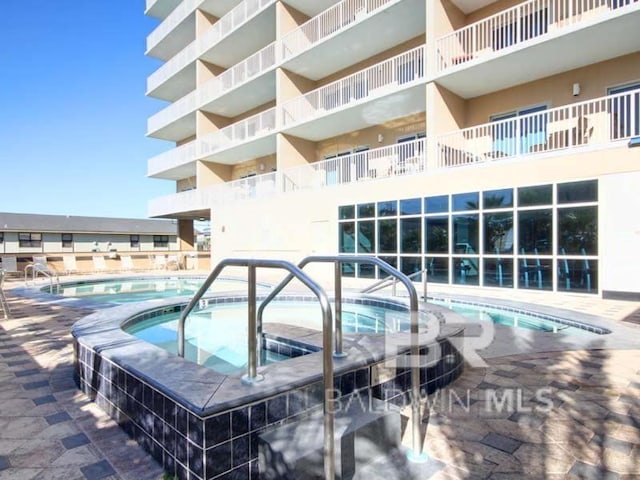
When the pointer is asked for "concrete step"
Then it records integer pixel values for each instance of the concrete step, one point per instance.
(364, 432)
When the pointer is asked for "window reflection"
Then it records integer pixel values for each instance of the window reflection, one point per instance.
(437, 269)
(498, 272)
(387, 236)
(578, 275)
(535, 196)
(578, 231)
(535, 231)
(497, 198)
(437, 234)
(410, 235)
(498, 233)
(535, 273)
(366, 239)
(465, 201)
(346, 234)
(465, 233)
(410, 265)
(466, 271)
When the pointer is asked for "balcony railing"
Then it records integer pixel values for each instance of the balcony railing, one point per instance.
(382, 78)
(177, 16)
(406, 158)
(173, 158)
(240, 73)
(327, 23)
(517, 25)
(231, 21)
(178, 62)
(181, 108)
(252, 127)
(585, 124)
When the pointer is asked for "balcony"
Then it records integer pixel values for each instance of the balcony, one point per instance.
(177, 121)
(397, 160)
(316, 48)
(583, 126)
(198, 203)
(548, 36)
(248, 138)
(175, 31)
(177, 76)
(175, 164)
(160, 8)
(390, 89)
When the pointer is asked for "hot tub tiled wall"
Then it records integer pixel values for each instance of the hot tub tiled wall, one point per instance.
(224, 445)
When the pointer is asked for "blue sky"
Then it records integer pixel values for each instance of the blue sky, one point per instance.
(73, 109)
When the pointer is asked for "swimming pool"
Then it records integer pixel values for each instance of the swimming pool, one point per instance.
(118, 291)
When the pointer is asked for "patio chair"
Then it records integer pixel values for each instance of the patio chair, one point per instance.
(69, 263)
(99, 264)
(9, 265)
(173, 262)
(159, 262)
(39, 266)
(126, 263)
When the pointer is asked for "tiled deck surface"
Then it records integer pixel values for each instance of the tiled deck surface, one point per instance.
(488, 424)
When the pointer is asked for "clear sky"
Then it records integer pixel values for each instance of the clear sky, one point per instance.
(73, 110)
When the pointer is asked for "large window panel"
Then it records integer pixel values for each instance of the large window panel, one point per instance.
(410, 235)
(578, 192)
(366, 237)
(535, 196)
(347, 237)
(578, 275)
(535, 231)
(437, 269)
(388, 236)
(411, 265)
(498, 272)
(465, 234)
(497, 198)
(578, 231)
(437, 234)
(535, 273)
(437, 204)
(347, 212)
(387, 209)
(465, 201)
(466, 271)
(498, 233)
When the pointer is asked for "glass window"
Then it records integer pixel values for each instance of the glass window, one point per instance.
(160, 241)
(134, 241)
(498, 233)
(465, 201)
(67, 239)
(438, 204)
(366, 210)
(347, 237)
(388, 236)
(497, 198)
(1, 237)
(410, 235)
(348, 270)
(437, 269)
(366, 270)
(465, 234)
(387, 209)
(534, 196)
(578, 192)
(535, 231)
(346, 212)
(535, 273)
(578, 275)
(498, 272)
(30, 240)
(437, 234)
(393, 261)
(410, 265)
(466, 271)
(578, 231)
(366, 237)
(411, 206)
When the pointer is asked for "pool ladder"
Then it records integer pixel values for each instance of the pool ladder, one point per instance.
(255, 332)
(3, 300)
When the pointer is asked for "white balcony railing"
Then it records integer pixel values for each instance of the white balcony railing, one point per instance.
(517, 25)
(240, 73)
(585, 124)
(231, 21)
(173, 158)
(179, 109)
(177, 16)
(252, 127)
(327, 23)
(405, 158)
(382, 78)
(178, 62)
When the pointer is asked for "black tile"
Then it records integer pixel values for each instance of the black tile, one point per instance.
(500, 442)
(57, 418)
(218, 459)
(74, 441)
(240, 473)
(584, 470)
(217, 429)
(196, 461)
(196, 430)
(612, 443)
(564, 386)
(347, 383)
(98, 470)
(182, 420)
(16, 363)
(505, 373)
(489, 386)
(34, 385)
(45, 399)
(258, 416)
(240, 450)
(239, 422)
(26, 373)
(4, 463)
(276, 409)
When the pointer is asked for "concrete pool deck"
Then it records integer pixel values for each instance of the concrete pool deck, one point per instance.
(492, 422)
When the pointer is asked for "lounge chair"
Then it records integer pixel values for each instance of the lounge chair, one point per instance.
(126, 263)
(39, 266)
(9, 265)
(69, 263)
(173, 262)
(159, 262)
(99, 263)
(4, 305)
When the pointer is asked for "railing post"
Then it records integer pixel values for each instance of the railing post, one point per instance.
(424, 284)
(252, 366)
(338, 353)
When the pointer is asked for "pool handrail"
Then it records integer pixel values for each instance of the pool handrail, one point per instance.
(252, 375)
(338, 260)
(383, 283)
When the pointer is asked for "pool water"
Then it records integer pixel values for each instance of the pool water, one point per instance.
(121, 291)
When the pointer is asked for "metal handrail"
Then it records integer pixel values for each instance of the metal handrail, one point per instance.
(379, 285)
(3, 300)
(338, 260)
(37, 268)
(255, 334)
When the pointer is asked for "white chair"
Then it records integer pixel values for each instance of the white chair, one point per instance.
(69, 263)
(99, 263)
(10, 264)
(173, 262)
(159, 262)
(126, 263)
(39, 266)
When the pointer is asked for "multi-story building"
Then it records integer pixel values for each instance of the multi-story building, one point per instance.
(485, 142)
